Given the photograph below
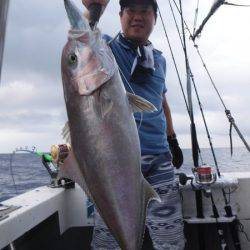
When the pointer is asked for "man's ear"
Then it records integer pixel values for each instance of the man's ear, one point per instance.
(121, 13)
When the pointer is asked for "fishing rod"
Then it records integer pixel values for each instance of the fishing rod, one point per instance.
(227, 111)
(227, 208)
(4, 7)
(217, 4)
(198, 98)
(227, 205)
(213, 9)
(195, 148)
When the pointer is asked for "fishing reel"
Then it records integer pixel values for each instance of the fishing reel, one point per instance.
(52, 163)
(59, 153)
(204, 175)
(202, 179)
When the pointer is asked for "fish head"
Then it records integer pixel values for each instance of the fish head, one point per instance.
(87, 62)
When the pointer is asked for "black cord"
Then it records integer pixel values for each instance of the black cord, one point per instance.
(242, 230)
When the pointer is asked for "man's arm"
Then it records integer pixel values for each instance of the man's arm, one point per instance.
(172, 140)
(170, 128)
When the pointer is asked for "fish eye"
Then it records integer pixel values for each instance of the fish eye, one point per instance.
(72, 59)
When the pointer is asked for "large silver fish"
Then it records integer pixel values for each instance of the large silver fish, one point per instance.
(105, 157)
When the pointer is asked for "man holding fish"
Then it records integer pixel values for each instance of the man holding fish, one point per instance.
(143, 70)
(104, 83)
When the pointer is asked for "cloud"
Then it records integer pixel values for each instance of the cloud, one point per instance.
(32, 109)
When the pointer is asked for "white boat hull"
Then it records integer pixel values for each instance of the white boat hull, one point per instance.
(71, 206)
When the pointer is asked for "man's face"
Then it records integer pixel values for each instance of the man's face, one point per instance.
(137, 22)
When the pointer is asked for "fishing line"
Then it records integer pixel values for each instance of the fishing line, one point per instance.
(11, 172)
(174, 61)
(237, 5)
(223, 192)
(203, 117)
(126, 80)
(227, 201)
(33, 151)
(176, 68)
(227, 111)
(129, 85)
(176, 25)
(197, 94)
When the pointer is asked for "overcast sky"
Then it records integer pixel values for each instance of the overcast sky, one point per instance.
(32, 109)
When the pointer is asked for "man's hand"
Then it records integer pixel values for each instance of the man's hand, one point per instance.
(175, 150)
(95, 9)
(87, 3)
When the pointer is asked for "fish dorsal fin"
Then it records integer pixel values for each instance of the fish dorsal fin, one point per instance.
(139, 104)
(66, 133)
(71, 170)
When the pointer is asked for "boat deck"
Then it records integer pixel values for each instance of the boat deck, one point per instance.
(58, 218)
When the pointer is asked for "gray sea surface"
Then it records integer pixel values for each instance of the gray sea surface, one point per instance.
(28, 171)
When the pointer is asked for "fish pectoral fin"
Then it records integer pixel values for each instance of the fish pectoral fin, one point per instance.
(139, 104)
(106, 106)
(71, 170)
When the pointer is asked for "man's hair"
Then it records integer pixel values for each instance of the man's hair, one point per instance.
(125, 3)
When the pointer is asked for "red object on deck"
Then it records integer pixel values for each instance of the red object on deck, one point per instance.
(204, 170)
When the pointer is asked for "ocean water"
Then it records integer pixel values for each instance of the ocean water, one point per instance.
(28, 171)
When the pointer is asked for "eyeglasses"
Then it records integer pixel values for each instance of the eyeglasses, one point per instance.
(143, 9)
